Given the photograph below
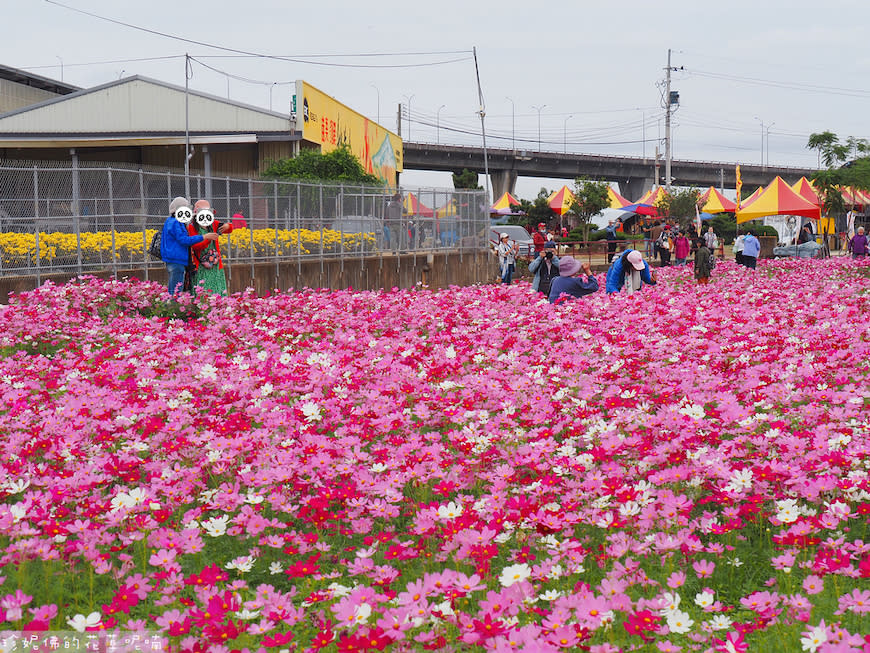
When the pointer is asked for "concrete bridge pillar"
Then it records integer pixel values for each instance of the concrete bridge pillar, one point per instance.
(503, 181)
(634, 187)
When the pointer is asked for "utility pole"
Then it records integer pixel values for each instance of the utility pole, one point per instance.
(669, 100)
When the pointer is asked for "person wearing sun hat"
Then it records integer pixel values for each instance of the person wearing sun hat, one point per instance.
(507, 257)
(631, 271)
(569, 284)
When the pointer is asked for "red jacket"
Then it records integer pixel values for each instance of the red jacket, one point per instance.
(193, 231)
(681, 247)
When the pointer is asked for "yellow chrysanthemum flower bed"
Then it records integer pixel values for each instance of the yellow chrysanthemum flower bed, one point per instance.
(59, 248)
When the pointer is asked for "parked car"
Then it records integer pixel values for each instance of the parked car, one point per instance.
(516, 234)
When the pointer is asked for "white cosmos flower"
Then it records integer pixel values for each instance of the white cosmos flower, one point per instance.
(216, 526)
(679, 622)
(361, 613)
(80, 622)
(787, 511)
(243, 564)
(815, 637)
(451, 511)
(514, 574)
(672, 599)
(720, 622)
(276, 568)
(311, 411)
(704, 599)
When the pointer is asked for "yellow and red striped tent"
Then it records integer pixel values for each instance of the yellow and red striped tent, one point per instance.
(652, 196)
(504, 204)
(560, 201)
(414, 206)
(804, 188)
(752, 197)
(777, 199)
(712, 201)
(617, 201)
(447, 210)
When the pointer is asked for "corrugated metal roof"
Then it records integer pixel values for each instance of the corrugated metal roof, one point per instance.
(139, 105)
(36, 81)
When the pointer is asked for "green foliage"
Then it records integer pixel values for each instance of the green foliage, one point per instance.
(725, 226)
(680, 204)
(466, 179)
(536, 211)
(854, 173)
(591, 197)
(339, 165)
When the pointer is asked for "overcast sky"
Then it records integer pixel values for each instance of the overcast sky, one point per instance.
(595, 68)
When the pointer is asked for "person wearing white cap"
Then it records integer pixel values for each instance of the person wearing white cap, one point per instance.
(631, 271)
(507, 257)
(569, 285)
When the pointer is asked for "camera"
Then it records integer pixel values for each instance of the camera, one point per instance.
(549, 255)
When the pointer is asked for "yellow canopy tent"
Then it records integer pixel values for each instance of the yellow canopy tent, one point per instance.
(712, 201)
(777, 199)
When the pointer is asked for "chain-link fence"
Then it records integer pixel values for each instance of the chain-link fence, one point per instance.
(72, 219)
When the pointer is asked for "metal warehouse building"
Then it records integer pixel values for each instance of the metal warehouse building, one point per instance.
(138, 121)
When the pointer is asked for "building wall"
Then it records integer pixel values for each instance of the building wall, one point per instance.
(17, 96)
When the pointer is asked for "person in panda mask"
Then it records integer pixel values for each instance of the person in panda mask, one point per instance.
(176, 241)
(208, 266)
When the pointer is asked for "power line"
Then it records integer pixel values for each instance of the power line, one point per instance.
(260, 54)
(795, 86)
(111, 61)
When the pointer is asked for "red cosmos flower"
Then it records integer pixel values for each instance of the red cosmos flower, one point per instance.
(375, 639)
(525, 555)
(488, 628)
(435, 644)
(640, 623)
(125, 599)
(222, 632)
(278, 639)
(209, 576)
(179, 628)
(864, 567)
(323, 638)
(303, 567)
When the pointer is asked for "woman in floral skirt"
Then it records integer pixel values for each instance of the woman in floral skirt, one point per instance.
(208, 264)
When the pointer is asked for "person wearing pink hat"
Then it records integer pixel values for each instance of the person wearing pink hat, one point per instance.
(631, 271)
(568, 284)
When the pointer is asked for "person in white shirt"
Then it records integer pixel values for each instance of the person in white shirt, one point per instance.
(507, 254)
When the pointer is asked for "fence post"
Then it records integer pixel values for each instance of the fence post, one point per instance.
(77, 209)
(36, 221)
(275, 197)
(251, 226)
(229, 266)
(298, 232)
(143, 211)
(339, 213)
(112, 226)
(320, 217)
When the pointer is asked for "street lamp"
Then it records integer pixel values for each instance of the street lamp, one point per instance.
(762, 140)
(409, 112)
(513, 125)
(378, 91)
(538, 109)
(438, 124)
(767, 143)
(271, 88)
(61, 66)
(565, 133)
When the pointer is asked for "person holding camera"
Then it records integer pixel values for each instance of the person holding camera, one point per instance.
(545, 268)
(507, 257)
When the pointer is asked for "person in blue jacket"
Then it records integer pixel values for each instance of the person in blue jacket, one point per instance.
(631, 271)
(567, 285)
(175, 242)
(751, 249)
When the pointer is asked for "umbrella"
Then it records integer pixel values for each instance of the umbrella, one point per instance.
(777, 199)
(617, 201)
(653, 196)
(712, 201)
(560, 201)
(804, 188)
(414, 206)
(641, 209)
(504, 204)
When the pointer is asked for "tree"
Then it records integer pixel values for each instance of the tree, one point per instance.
(680, 204)
(854, 173)
(536, 211)
(338, 165)
(590, 198)
(466, 179)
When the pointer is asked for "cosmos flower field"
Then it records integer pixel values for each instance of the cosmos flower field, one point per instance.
(686, 469)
